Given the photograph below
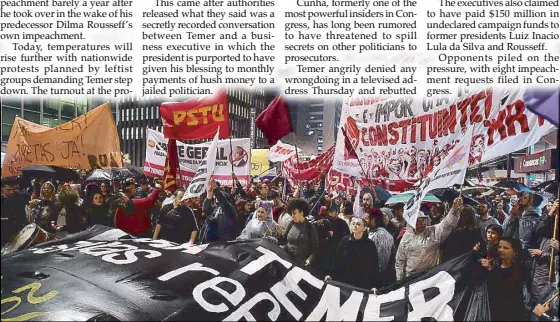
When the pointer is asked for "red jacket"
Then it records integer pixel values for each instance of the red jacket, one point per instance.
(139, 222)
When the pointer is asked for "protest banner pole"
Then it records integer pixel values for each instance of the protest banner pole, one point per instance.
(231, 155)
(178, 174)
(297, 156)
(361, 166)
(554, 236)
(551, 298)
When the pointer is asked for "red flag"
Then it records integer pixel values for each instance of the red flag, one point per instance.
(275, 121)
(351, 139)
(197, 118)
(171, 167)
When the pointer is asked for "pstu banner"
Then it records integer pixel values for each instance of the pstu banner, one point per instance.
(402, 138)
(197, 118)
(191, 155)
(74, 144)
(103, 274)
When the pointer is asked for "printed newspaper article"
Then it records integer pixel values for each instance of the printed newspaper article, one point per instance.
(282, 160)
(325, 48)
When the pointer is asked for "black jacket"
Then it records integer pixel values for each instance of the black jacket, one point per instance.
(460, 242)
(356, 262)
(13, 208)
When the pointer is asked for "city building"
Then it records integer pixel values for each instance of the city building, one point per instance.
(136, 115)
(313, 121)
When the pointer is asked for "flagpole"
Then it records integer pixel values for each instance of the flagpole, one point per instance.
(356, 153)
(179, 179)
(554, 236)
(231, 153)
(297, 156)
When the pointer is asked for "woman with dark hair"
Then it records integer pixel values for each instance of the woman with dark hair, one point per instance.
(493, 235)
(96, 210)
(506, 276)
(346, 212)
(300, 238)
(463, 237)
(71, 218)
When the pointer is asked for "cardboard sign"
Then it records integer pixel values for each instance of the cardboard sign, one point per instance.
(89, 141)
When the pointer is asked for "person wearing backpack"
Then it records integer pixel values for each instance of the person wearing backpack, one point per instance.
(300, 238)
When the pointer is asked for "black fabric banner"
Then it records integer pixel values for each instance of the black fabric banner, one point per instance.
(103, 274)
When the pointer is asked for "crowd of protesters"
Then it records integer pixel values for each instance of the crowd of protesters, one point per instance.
(355, 239)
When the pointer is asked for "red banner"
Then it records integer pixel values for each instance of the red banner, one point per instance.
(171, 167)
(310, 172)
(196, 118)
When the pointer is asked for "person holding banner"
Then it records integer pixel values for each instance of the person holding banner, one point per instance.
(176, 222)
(419, 247)
(220, 215)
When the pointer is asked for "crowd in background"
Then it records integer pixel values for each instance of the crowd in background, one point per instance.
(355, 239)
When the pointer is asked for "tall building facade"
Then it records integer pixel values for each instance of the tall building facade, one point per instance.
(49, 111)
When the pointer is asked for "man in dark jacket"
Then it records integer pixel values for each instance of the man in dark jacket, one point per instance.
(13, 209)
(220, 216)
(529, 221)
(356, 261)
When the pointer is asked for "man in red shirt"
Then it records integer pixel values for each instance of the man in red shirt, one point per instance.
(132, 216)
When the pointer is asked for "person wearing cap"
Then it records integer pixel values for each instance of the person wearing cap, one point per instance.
(419, 248)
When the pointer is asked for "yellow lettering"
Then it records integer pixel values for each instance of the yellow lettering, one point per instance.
(178, 117)
(33, 287)
(204, 110)
(31, 298)
(219, 117)
(193, 120)
(8, 300)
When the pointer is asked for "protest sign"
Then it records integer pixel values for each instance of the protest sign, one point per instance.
(259, 162)
(74, 144)
(450, 171)
(281, 152)
(196, 118)
(100, 272)
(191, 155)
(398, 139)
(200, 182)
